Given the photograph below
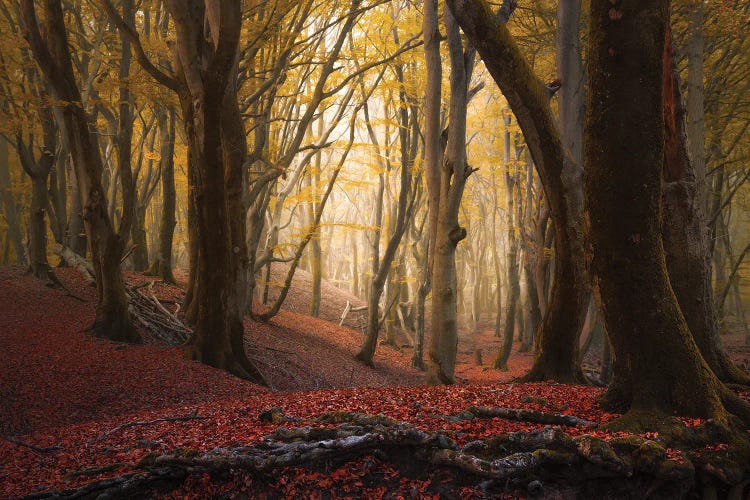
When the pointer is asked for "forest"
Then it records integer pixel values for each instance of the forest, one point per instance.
(375, 249)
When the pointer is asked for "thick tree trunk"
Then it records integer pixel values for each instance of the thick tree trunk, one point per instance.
(557, 340)
(685, 233)
(624, 154)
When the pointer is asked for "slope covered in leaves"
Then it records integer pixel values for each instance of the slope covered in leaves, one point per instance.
(71, 403)
(76, 410)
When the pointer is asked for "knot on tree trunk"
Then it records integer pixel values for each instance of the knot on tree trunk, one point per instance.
(457, 234)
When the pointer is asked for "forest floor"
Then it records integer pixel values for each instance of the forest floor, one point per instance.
(75, 410)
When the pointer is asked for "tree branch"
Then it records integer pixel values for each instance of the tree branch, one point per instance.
(160, 76)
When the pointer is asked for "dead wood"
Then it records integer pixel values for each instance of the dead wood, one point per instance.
(541, 455)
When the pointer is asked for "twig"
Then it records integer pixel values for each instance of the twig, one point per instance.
(127, 254)
(38, 449)
(145, 422)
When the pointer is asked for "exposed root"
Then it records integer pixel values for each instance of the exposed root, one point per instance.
(363, 358)
(546, 455)
(540, 373)
(522, 415)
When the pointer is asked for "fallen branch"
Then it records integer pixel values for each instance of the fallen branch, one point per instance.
(73, 259)
(152, 315)
(38, 449)
(350, 308)
(523, 415)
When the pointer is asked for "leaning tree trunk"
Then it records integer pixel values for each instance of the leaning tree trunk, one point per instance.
(685, 233)
(557, 340)
(53, 56)
(624, 154)
(382, 267)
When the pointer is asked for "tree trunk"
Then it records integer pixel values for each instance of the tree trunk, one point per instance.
(112, 317)
(76, 232)
(513, 290)
(38, 226)
(9, 205)
(140, 241)
(557, 340)
(162, 266)
(455, 171)
(624, 154)
(316, 255)
(685, 233)
(408, 141)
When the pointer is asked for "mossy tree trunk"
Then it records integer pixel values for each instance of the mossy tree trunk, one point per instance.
(685, 232)
(624, 154)
(207, 37)
(557, 339)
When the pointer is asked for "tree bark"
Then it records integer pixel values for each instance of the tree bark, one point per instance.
(685, 232)
(206, 67)
(455, 171)
(624, 155)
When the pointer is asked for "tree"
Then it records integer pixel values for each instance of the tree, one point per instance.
(107, 245)
(408, 134)
(557, 340)
(623, 155)
(10, 210)
(448, 233)
(513, 290)
(162, 265)
(207, 37)
(685, 230)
